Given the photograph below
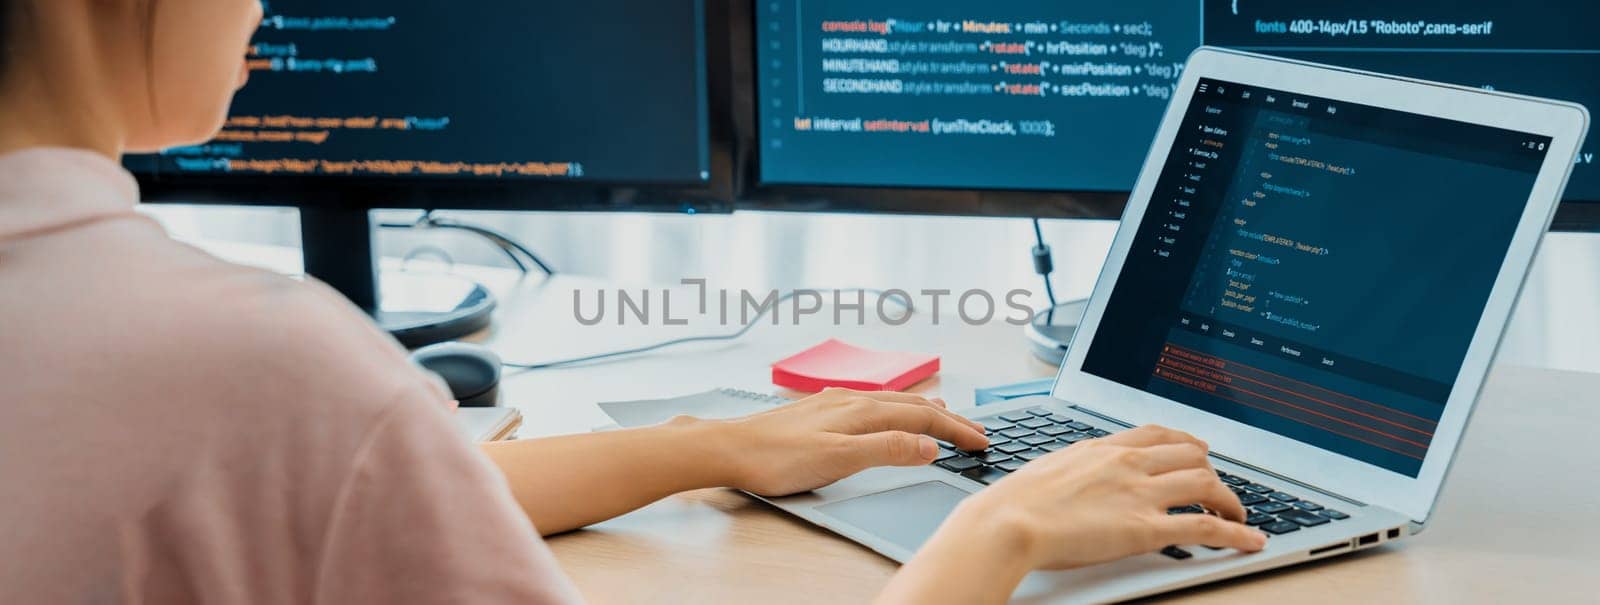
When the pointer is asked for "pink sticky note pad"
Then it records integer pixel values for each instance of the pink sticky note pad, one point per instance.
(837, 364)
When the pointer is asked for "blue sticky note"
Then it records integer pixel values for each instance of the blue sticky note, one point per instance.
(988, 395)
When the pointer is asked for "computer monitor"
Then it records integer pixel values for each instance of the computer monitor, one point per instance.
(1022, 108)
(1046, 109)
(361, 104)
(1544, 48)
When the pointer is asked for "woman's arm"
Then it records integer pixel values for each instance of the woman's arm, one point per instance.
(1093, 502)
(564, 483)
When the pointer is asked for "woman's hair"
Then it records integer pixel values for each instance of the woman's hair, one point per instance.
(6, 7)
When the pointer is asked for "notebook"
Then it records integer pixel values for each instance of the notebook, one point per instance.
(1007, 392)
(837, 364)
(488, 424)
(714, 404)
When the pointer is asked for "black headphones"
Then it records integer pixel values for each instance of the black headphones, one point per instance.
(472, 371)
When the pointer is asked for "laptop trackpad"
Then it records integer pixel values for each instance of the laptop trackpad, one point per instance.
(905, 516)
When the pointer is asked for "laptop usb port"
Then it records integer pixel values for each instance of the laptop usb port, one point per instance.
(1369, 539)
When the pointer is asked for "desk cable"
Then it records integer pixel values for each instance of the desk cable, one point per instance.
(1043, 264)
(504, 242)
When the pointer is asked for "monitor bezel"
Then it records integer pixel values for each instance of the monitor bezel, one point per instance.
(1582, 216)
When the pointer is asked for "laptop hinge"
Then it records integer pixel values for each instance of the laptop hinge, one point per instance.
(1265, 471)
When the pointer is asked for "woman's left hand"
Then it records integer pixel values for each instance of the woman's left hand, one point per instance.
(837, 433)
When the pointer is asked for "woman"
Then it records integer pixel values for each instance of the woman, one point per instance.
(178, 429)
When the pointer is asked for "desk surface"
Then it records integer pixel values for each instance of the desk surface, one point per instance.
(1517, 520)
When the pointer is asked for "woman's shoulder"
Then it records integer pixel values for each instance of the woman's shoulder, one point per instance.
(294, 337)
(211, 330)
(302, 325)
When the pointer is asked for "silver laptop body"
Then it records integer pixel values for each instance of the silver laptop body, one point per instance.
(1380, 467)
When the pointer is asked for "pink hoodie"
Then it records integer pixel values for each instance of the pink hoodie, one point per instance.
(177, 429)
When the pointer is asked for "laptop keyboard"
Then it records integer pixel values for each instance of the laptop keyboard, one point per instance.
(1017, 438)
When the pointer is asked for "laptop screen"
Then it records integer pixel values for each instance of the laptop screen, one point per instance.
(1316, 268)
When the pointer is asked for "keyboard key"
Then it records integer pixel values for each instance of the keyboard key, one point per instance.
(1258, 488)
(1076, 437)
(960, 463)
(1235, 480)
(1308, 505)
(1098, 433)
(1037, 439)
(1282, 497)
(1031, 455)
(1014, 447)
(1176, 553)
(1303, 517)
(1016, 416)
(1333, 514)
(986, 475)
(1058, 419)
(1036, 423)
(1259, 519)
(1278, 528)
(994, 457)
(1249, 499)
(1054, 430)
(1185, 510)
(945, 454)
(1016, 432)
(994, 425)
(998, 440)
(1039, 411)
(1221, 474)
(1078, 426)
(1010, 466)
(1053, 446)
(1271, 508)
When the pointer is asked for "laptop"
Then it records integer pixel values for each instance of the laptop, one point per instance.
(1312, 274)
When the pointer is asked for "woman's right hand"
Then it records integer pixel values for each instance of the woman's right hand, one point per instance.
(1105, 499)
(1096, 501)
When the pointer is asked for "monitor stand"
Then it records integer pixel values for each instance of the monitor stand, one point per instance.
(417, 309)
(1051, 331)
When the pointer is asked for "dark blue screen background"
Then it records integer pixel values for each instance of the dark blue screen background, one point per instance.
(1317, 270)
(1539, 47)
(615, 87)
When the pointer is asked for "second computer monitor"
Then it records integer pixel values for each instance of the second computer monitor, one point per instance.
(1064, 97)
(1002, 95)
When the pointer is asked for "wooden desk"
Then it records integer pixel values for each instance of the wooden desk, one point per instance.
(1518, 520)
(1515, 525)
